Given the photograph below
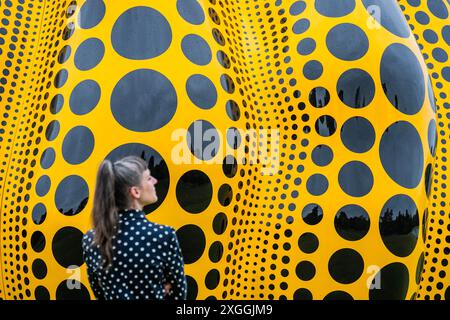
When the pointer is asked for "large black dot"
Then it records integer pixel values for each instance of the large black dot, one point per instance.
(215, 252)
(57, 103)
(71, 289)
(201, 91)
(358, 134)
(432, 136)
(191, 11)
(233, 111)
(401, 154)
(308, 242)
(305, 270)
(446, 34)
(48, 158)
(389, 15)
(352, 222)
(402, 79)
(78, 145)
(306, 46)
(41, 293)
(338, 296)
(325, 126)
(39, 269)
(203, 140)
(390, 283)
(229, 166)
(192, 288)
(89, 54)
(346, 266)
(438, 8)
(194, 191)
(143, 100)
(312, 70)
(66, 247)
(156, 164)
(91, 13)
(196, 49)
(356, 179)
(192, 242)
(52, 130)
(339, 45)
(312, 214)
(419, 267)
(333, 8)
(322, 155)
(71, 195)
(303, 294)
(301, 26)
(356, 88)
(225, 194)
(317, 184)
(319, 97)
(212, 279)
(37, 241)
(43, 185)
(220, 223)
(399, 225)
(39, 213)
(141, 33)
(84, 97)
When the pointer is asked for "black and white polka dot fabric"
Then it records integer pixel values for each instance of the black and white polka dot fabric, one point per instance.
(146, 255)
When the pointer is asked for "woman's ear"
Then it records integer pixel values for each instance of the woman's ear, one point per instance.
(135, 192)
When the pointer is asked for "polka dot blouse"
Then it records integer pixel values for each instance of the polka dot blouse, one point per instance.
(146, 255)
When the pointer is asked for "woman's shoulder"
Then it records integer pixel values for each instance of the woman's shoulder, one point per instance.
(161, 228)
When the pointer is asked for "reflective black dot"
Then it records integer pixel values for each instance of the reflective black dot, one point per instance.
(227, 83)
(194, 191)
(191, 11)
(317, 184)
(52, 130)
(225, 194)
(358, 134)
(66, 247)
(303, 294)
(312, 70)
(297, 8)
(91, 13)
(399, 225)
(141, 33)
(78, 145)
(305, 270)
(322, 155)
(352, 222)
(56, 104)
(319, 97)
(72, 195)
(192, 242)
(356, 179)
(39, 213)
(356, 88)
(196, 49)
(346, 266)
(37, 241)
(212, 279)
(220, 223)
(424, 225)
(402, 79)
(61, 78)
(325, 126)
(390, 283)
(389, 15)
(419, 267)
(306, 46)
(192, 288)
(233, 110)
(143, 100)
(48, 158)
(432, 136)
(43, 185)
(229, 166)
(446, 34)
(439, 55)
(438, 8)
(308, 242)
(234, 138)
(203, 140)
(333, 8)
(89, 54)
(312, 214)
(84, 97)
(201, 91)
(430, 36)
(64, 54)
(339, 45)
(301, 26)
(71, 289)
(216, 252)
(401, 154)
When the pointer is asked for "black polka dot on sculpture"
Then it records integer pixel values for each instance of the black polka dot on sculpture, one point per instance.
(432, 137)
(325, 126)
(229, 166)
(61, 78)
(312, 70)
(446, 34)
(39, 269)
(319, 97)
(312, 214)
(37, 241)
(196, 49)
(352, 222)
(192, 242)
(41, 293)
(194, 191)
(398, 66)
(203, 140)
(317, 184)
(192, 288)
(72, 290)
(346, 266)
(338, 296)
(215, 252)
(356, 88)
(89, 54)
(78, 145)
(308, 242)
(306, 46)
(39, 213)
(233, 110)
(64, 54)
(52, 130)
(227, 83)
(303, 294)
(339, 45)
(201, 91)
(399, 225)
(301, 26)
(48, 158)
(305, 270)
(91, 13)
(322, 155)
(220, 223)
(72, 195)
(43, 185)
(225, 194)
(438, 8)
(141, 33)
(332, 8)
(66, 247)
(389, 15)
(401, 154)
(297, 8)
(84, 97)
(212, 279)
(234, 138)
(390, 283)
(144, 100)
(355, 179)
(57, 103)
(191, 11)
(358, 134)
